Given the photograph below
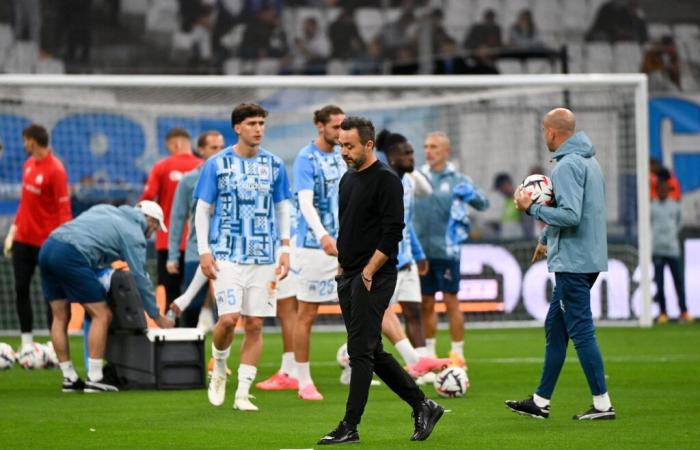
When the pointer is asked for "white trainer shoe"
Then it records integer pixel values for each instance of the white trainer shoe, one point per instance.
(217, 390)
(243, 403)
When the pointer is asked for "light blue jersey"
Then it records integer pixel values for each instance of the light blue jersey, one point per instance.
(244, 190)
(319, 172)
(410, 249)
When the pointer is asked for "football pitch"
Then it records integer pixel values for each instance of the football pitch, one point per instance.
(653, 378)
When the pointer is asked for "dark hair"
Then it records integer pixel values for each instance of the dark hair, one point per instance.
(246, 110)
(324, 114)
(177, 132)
(364, 127)
(388, 141)
(500, 179)
(202, 139)
(663, 174)
(37, 133)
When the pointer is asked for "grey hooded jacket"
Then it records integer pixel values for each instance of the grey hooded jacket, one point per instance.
(576, 233)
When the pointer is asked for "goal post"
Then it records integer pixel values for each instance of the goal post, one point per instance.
(109, 130)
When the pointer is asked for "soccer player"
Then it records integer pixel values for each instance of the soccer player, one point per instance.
(411, 264)
(317, 171)
(209, 144)
(249, 189)
(370, 224)
(432, 216)
(69, 260)
(44, 204)
(575, 244)
(162, 183)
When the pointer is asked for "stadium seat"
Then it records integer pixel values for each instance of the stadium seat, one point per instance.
(7, 39)
(369, 21)
(162, 16)
(576, 58)
(510, 66)
(599, 57)
(22, 57)
(657, 30)
(51, 65)
(267, 66)
(338, 67)
(627, 57)
(136, 7)
(232, 66)
(459, 14)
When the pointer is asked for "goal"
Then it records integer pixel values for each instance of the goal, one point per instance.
(109, 130)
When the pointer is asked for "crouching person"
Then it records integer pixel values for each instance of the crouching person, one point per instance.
(68, 260)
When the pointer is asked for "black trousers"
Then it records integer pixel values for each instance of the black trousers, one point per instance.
(362, 313)
(171, 282)
(674, 263)
(25, 258)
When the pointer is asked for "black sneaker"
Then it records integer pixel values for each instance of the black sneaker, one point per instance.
(528, 407)
(596, 414)
(73, 386)
(343, 434)
(99, 386)
(425, 416)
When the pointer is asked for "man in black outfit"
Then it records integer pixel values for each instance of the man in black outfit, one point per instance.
(371, 221)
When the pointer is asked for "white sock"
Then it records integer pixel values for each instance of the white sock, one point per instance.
(288, 364)
(246, 376)
(540, 401)
(430, 345)
(95, 369)
(407, 352)
(198, 281)
(220, 358)
(303, 373)
(602, 402)
(422, 351)
(458, 347)
(27, 339)
(68, 370)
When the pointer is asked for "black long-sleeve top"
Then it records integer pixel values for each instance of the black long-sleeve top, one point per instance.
(371, 217)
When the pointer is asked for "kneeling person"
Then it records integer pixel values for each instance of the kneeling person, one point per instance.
(68, 260)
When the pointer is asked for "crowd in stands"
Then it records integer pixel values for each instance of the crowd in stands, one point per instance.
(316, 37)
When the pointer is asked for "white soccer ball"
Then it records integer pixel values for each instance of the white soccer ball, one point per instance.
(539, 189)
(7, 356)
(31, 356)
(342, 356)
(451, 382)
(50, 358)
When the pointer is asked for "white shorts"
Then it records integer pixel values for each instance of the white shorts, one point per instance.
(407, 286)
(247, 289)
(288, 287)
(315, 275)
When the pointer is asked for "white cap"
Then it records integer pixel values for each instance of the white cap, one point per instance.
(153, 209)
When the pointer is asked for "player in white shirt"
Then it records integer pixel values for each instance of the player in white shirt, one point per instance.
(249, 189)
(317, 171)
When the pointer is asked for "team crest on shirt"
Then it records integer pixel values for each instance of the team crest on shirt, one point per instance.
(176, 175)
(39, 179)
(264, 171)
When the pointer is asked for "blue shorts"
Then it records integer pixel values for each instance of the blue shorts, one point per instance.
(66, 274)
(443, 276)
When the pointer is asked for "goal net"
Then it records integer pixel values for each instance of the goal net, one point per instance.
(109, 130)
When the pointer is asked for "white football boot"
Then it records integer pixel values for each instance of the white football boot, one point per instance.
(217, 390)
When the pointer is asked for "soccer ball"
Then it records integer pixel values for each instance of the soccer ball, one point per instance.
(539, 189)
(342, 356)
(7, 356)
(50, 358)
(31, 356)
(451, 382)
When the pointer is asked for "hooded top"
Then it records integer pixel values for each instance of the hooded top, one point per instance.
(104, 234)
(576, 233)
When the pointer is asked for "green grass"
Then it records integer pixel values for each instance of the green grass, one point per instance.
(653, 376)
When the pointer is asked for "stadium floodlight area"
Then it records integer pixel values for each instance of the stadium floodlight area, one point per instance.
(109, 130)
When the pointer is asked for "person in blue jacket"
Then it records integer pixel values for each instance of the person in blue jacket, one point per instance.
(432, 215)
(68, 261)
(575, 243)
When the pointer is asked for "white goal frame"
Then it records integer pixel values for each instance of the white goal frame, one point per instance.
(636, 81)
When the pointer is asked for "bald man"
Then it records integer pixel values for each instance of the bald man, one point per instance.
(432, 214)
(575, 245)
